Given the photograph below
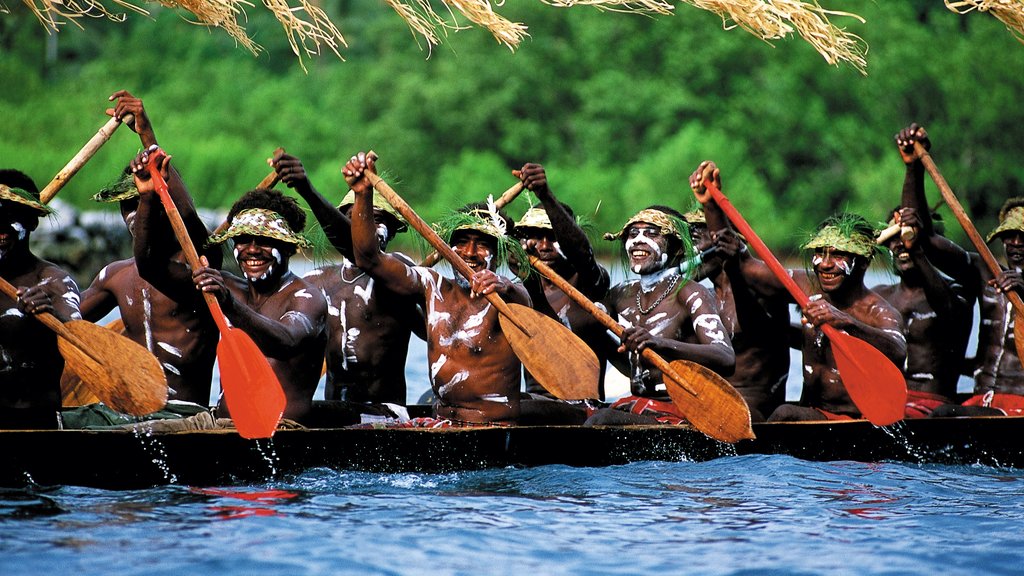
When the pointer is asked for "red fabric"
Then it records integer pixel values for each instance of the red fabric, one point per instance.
(661, 410)
(921, 404)
(1009, 404)
(833, 416)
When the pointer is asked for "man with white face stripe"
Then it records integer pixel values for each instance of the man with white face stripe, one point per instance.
(665, 311)
(283, 314)
(842, 249)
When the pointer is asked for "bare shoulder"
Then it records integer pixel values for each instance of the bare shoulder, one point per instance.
(876, 310)
(300, 288)
(694, 296)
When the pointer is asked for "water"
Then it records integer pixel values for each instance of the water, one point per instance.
(737, 515)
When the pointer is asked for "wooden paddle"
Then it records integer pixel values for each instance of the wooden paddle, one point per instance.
(707, 400)
(504, 200)
(83, 156)
(251, 389)
(874, 383)
(562, 363)
(979, 243)
(75, 392)
(122, 374)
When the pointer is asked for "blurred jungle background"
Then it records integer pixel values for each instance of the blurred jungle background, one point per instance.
(619, 108)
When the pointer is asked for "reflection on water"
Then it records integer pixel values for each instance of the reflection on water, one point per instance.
(751, 514)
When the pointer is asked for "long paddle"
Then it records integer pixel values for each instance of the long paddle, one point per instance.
(83, 156)
(506, 197)
(874, 383)
(120, 372)
(707, 400)
(251, 389)
(74, 391)
(978, 241)
(562, 363)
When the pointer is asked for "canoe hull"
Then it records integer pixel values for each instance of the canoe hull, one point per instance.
(126, 460)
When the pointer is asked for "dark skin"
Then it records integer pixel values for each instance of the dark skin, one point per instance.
(30, 364)
(474, 373)
(368, 326)
(839, 298)
(937, 311)
(283, 314)
(997, 367)
(566, 249)
(177, 330)
(754, 325)
(684, 325)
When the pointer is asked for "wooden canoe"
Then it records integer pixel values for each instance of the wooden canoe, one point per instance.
(117, 459)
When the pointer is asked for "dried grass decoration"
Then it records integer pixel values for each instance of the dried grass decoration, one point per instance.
(1009, 12)
(776, 19)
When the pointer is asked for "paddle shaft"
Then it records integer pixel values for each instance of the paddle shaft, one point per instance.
(504, 200)
(437, 242)
(965, 222)
(83, 156)
(50, 321)
(607, 321)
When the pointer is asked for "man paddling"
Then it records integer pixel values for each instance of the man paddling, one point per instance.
(170, 320)
(665, 311)
(283, 314)
(552, 234)
(474, 373)
(368, 326)
(30, 364)
(842, 249)
(937, 311)
(755, 325)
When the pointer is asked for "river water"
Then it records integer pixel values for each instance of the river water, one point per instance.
(735, 515)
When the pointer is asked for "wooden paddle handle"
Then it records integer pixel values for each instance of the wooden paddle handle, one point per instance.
(965, 222)
(50, 321)
(83, 156)
(504, 200)
(442, 247)
(607, 321)
(181, 233)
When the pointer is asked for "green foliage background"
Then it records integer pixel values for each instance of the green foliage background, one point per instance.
(619, 108)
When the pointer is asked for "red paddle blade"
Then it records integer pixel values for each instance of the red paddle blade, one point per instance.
(251, 390)
(874, 383)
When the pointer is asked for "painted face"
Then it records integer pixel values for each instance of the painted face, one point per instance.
(476, 248)
(833, 267)
(128, 211)
(1013, 243)
(700, 236)
(646, 248)
(540, 242)
(261, 258)
(12, 232)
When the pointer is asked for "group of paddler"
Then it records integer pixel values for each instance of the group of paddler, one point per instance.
(702, 333)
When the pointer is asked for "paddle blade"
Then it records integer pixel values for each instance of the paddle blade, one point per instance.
(1018, 336)
(562, 363)
(874, 383)
(251, 390)
(121, 373)
(717, 410)
(74, 392)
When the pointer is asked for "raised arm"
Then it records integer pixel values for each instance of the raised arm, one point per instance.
(335, 224)
(913, 181)
(592, 278)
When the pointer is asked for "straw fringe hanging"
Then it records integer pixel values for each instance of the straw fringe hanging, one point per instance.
(1009, 12)
(641, 6)
(308, 34)
(775, 19)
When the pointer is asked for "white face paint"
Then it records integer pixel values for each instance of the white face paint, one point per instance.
(19, 229)
(846, 266)
(649, 281)
(641, 238)
(382, 235)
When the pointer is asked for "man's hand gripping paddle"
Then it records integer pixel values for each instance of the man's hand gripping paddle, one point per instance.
(251, 389)
(707, 400)
(874, 383)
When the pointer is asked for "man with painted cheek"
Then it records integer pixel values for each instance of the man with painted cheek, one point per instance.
(30, 363)
(474, 374)
(552, 234)
(283, 314)
(665, 311)
(368, 326)
(841, 250)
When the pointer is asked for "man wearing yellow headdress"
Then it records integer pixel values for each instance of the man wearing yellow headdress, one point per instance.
(665, 311)
(368, 326)
(840, 252)
(30, 364)
(474, 373)
(283, 314)
(551, 233)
